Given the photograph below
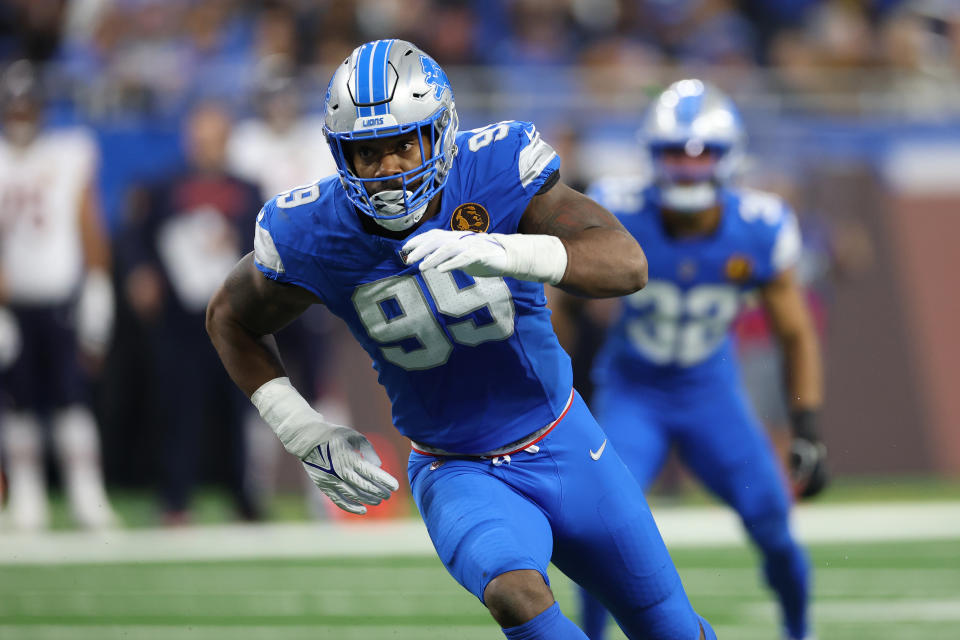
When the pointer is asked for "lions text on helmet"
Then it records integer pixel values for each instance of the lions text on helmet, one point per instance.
(695, 139)
(368, 100)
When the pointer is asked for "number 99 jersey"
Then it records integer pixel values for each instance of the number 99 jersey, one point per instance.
(470, 364)
(678, 327)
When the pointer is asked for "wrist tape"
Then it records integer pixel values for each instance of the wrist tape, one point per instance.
(538, 258)
(291, 417)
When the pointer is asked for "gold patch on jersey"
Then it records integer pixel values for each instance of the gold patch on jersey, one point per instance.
(470, 216)
(739, 268)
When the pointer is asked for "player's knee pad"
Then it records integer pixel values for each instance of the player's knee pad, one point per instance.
(487, 554)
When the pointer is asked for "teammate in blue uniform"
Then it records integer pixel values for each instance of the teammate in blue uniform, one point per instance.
(433, 246)
(666, 375)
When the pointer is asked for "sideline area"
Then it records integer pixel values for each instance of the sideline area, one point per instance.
(706, 526)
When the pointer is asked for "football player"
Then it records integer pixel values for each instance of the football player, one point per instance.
(54, 278)
(666, 375)
(452, 311)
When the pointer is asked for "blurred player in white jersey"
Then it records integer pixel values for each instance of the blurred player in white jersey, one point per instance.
(283, 148)
(54, 279)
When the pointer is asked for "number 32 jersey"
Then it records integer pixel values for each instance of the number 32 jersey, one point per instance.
(677, 329)
(470, 364)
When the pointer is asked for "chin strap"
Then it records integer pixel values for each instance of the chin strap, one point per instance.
(390, 204)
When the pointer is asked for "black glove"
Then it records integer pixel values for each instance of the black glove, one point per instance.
(808, 455)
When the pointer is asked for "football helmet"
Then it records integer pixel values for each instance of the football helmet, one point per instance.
(388, 88)
(692, 117)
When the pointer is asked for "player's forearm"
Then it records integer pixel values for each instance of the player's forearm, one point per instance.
(602, 263)
(250, 360)
(804, 370)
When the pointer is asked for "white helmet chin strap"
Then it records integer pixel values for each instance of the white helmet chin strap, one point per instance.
(688, 198)
(390, 203)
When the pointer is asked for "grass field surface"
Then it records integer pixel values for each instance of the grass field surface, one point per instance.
(888, 591)
(388, 586)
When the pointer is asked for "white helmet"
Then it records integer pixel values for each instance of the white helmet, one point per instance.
(693, 116)
(389, 88)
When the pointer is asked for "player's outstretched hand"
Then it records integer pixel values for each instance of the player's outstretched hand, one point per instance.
(808, 460)
(339, 460)
(347, 469)
(477, 254)
(808, 455)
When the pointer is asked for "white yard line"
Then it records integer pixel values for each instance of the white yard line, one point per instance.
(870, 611)
(680, 526)
(858, 522)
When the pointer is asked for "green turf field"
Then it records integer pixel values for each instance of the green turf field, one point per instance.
(138, 508)
(888, 591)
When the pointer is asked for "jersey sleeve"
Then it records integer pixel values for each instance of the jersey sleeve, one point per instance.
(278, 250)
(511, 163)
(787, 244)
(536, 160)
(775, 230)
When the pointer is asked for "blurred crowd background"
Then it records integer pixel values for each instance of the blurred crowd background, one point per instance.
(195, 112)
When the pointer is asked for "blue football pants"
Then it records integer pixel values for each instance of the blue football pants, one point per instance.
(588, 516)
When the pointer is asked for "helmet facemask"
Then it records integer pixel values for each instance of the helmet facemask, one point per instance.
(689, 186)
(400, 209)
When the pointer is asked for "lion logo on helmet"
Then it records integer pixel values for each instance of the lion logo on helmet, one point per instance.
(434, 76)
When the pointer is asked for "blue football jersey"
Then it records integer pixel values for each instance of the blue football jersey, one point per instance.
(470, 364)
(678, 326)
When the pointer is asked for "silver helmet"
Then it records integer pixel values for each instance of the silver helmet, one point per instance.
(693, 116)
(389, 88)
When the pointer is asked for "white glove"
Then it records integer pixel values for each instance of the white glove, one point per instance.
(339, 460)
(538, 258)
(95, 311)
